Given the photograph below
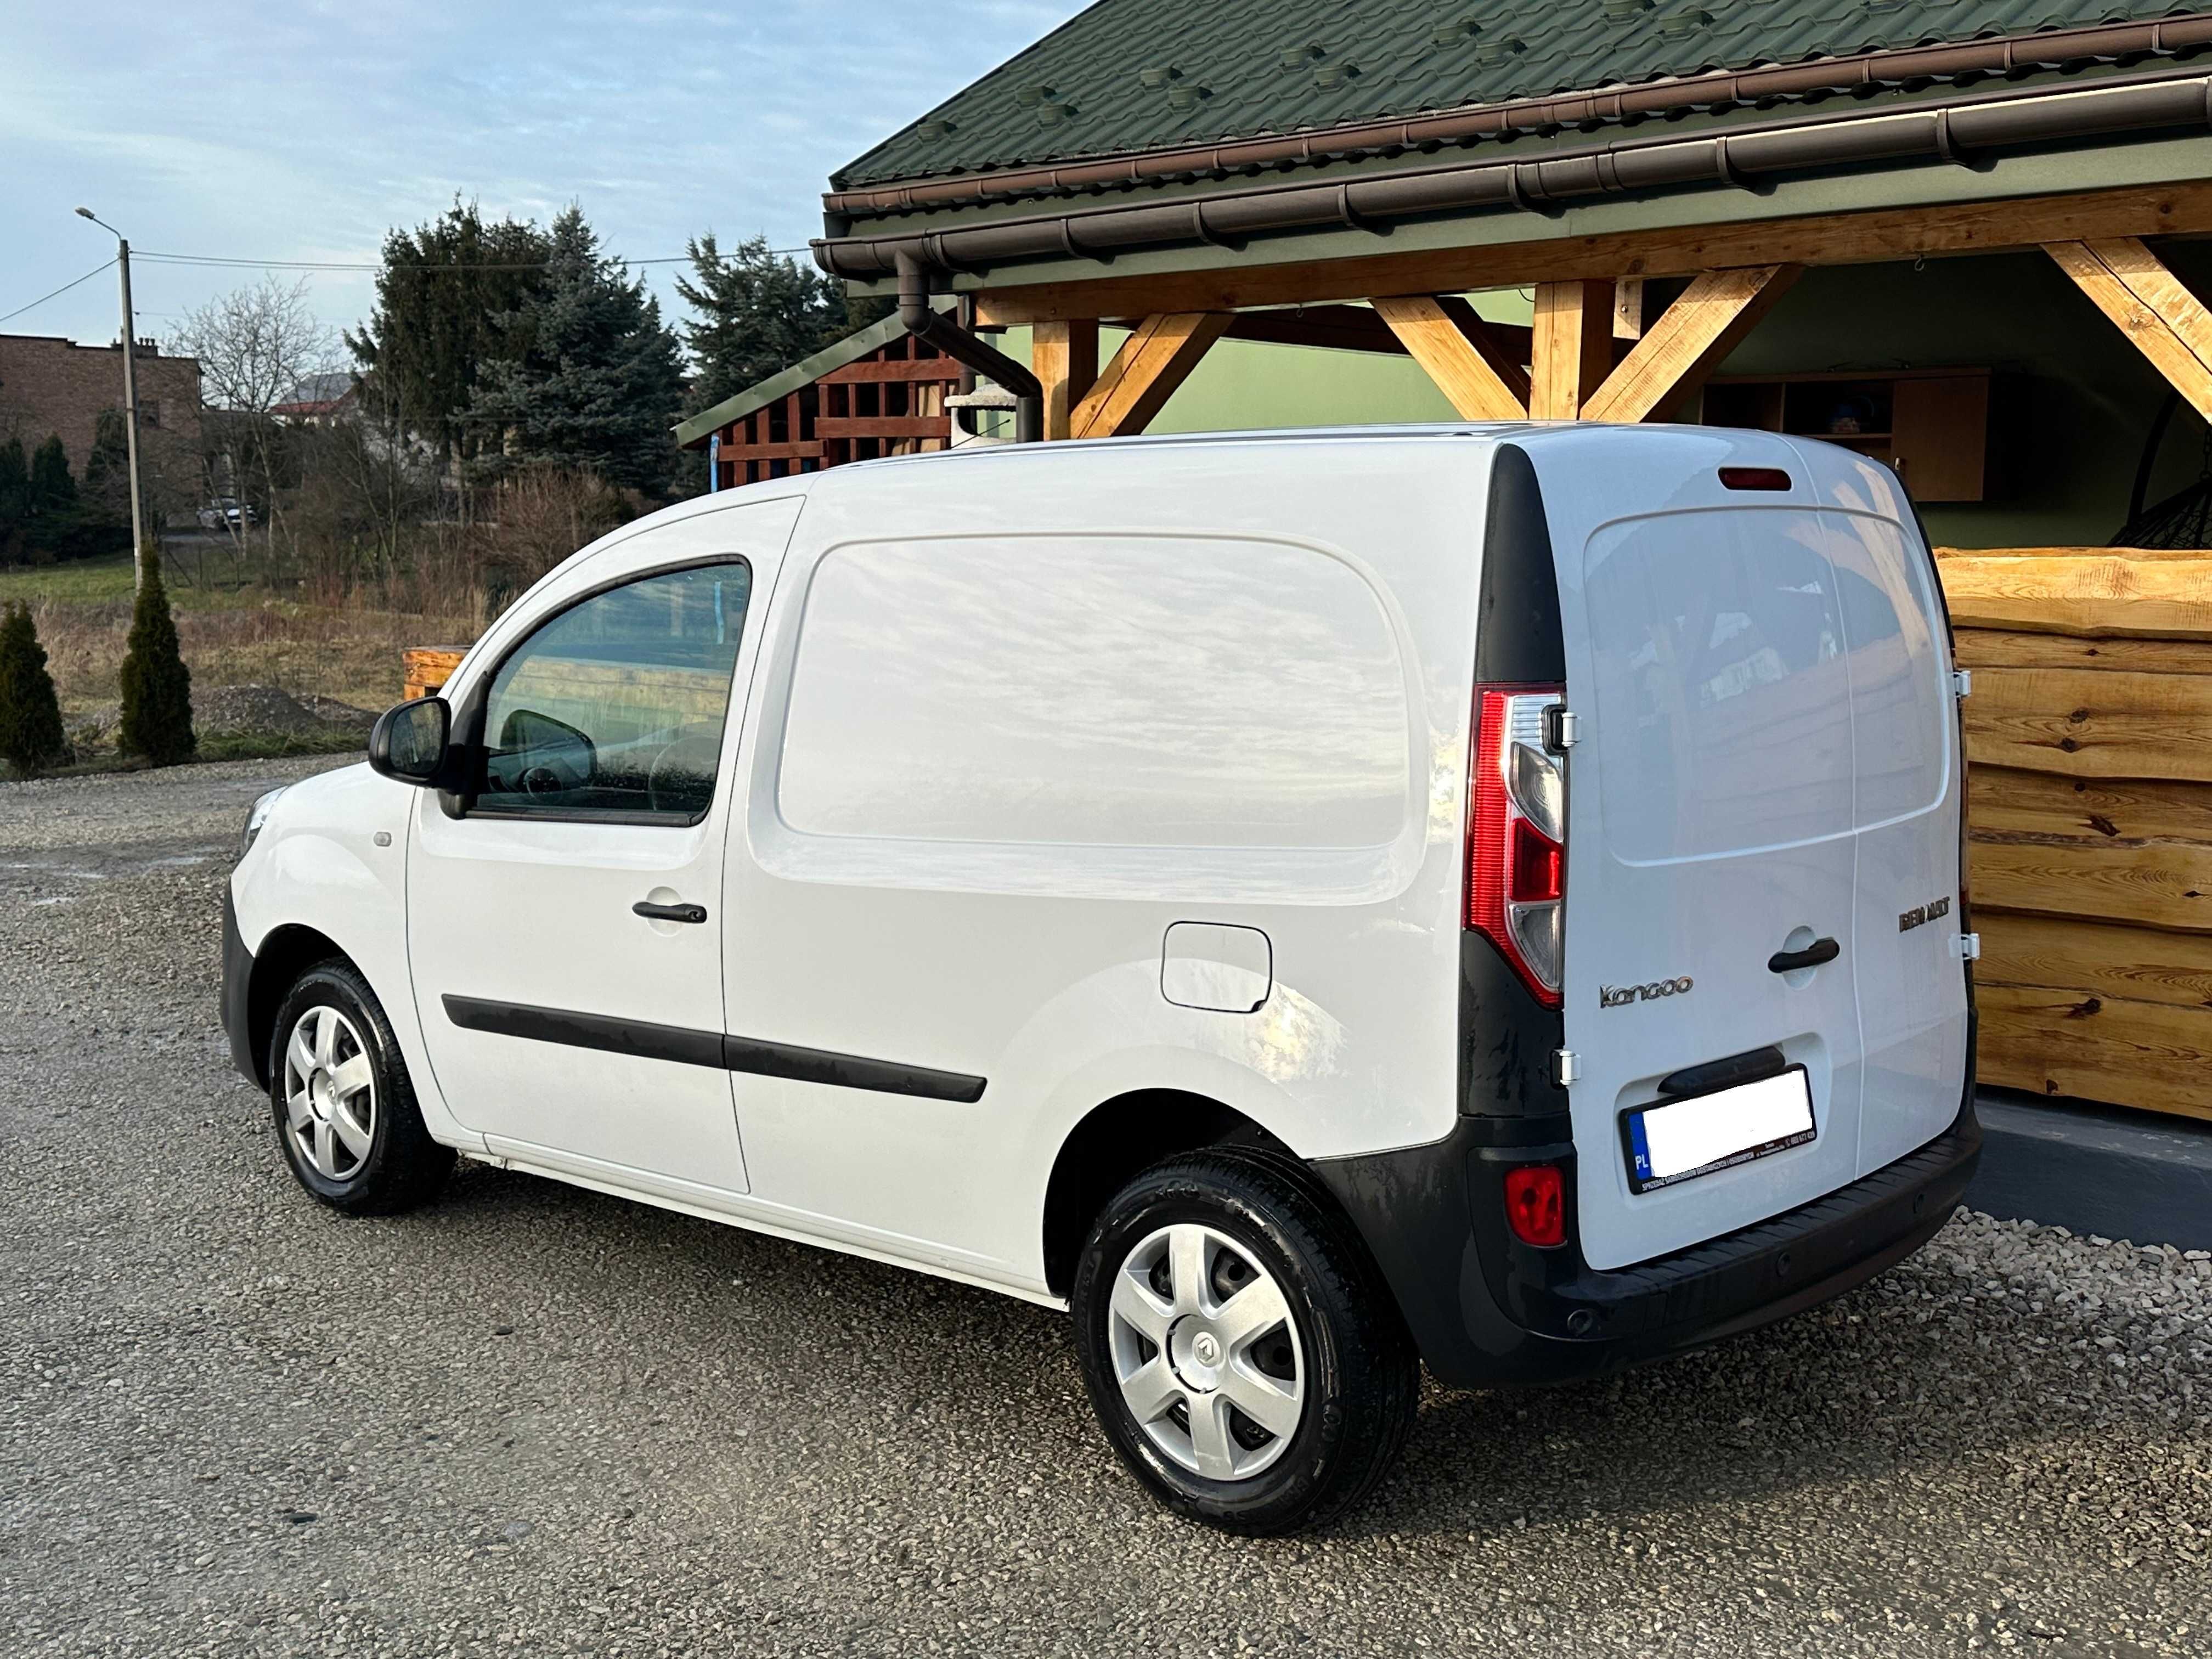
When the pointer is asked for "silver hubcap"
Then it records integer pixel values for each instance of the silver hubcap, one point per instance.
(1206, 1352)
(330, 1093)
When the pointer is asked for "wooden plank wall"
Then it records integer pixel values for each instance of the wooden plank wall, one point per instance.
(2089, 819)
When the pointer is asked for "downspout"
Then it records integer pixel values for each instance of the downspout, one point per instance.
(925, 322)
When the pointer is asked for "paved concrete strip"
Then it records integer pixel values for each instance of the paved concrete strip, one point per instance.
(534, 1419)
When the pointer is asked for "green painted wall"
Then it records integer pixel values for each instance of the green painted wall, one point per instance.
(2089, 396)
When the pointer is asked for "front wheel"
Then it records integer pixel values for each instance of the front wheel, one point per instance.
(1242, 1353)
(346, 1116)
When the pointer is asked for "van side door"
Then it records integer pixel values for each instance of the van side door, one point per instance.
(564, 918)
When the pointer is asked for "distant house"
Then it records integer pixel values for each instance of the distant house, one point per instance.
(320, 399)
(49, 385)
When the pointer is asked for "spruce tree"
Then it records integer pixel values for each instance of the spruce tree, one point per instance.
(759, 312)
(596, 383)
(31, 736)
(157, 687)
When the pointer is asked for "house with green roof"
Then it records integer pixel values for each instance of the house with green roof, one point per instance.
(1962, 237)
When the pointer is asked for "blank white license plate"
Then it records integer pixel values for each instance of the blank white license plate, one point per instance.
(1674, 1140)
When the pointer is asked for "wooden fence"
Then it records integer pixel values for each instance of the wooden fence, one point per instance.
(2089, 815)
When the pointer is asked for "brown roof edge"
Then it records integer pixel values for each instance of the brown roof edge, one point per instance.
(2051, 49)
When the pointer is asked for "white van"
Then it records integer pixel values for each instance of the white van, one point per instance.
(1309, 903)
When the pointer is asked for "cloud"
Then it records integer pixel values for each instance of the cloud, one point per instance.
(263, 129)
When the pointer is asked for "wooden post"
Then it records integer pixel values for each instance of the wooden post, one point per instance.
(1481, 381)
(1144, 373)
(2167, 323)
(1689, 339)
(1064, 356)
(1573, 347)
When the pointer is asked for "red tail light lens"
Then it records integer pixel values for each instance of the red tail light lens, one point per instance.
(1516, 834)
(1536, 1204)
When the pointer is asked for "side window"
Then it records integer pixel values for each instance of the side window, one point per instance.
(615, 708)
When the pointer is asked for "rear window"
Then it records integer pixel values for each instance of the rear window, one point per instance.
(1764, 677)
(1114, 691)
(1724, 702)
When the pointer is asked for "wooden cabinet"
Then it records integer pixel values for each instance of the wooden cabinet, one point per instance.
(1935, 427)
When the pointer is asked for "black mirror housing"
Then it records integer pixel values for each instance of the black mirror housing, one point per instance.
(410, 742)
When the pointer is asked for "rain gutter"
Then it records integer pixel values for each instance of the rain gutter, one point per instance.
(1960, 130)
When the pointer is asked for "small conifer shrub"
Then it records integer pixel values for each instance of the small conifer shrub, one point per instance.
(31, 736)
(157, 687)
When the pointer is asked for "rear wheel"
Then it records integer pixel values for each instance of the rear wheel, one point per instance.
(346, 1116)
(1245, 1361)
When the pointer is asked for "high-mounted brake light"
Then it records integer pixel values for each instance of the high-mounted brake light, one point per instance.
(1516, 834)
(1536, 1204)
(1754, 478)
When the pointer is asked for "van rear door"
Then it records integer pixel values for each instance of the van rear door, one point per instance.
(1762, 694)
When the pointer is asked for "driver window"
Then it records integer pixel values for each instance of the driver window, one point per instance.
(615, 708)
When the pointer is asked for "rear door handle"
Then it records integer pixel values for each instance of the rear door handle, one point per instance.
(1819, 950)
(653, 912)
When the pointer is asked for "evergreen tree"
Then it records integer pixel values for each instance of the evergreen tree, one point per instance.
(51, 488)
(594, 381)
(440, 297)
(759, 312)
(31, 738)
(106, 494)
(157, 687)
(15, 501)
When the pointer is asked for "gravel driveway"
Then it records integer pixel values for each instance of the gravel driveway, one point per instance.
(232, 1422)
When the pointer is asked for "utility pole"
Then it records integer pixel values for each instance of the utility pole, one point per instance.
(130, 400)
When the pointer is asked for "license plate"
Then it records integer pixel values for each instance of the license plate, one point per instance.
(1669, 1141)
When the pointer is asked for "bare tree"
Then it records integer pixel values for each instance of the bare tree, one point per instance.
(257, 346)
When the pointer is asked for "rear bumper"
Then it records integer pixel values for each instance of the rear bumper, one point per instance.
(237, 988)
(1488, 1311)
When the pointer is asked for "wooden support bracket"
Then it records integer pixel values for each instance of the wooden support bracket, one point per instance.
(1573, 347)
(2168, 325)
(1469, 365)
(1065, 357)
(1144, 373)
(1688, 341)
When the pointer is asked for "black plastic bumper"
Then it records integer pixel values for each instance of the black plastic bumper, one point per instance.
(237, 988)
(1488, 1311)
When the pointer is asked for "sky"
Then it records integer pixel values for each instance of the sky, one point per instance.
(265, 131)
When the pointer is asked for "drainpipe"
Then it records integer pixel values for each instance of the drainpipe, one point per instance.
(925, 322)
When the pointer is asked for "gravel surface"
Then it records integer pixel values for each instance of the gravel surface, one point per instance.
(232, 1422)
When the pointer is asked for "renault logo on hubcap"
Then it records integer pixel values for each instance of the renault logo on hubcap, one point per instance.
(1206, 1350)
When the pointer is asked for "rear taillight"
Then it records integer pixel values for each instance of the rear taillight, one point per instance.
(1517, 833)
(1536, 1204)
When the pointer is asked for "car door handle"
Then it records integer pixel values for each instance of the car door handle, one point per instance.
(653, 912)
(1819, 950)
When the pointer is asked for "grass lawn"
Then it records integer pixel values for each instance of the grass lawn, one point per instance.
(230, 634)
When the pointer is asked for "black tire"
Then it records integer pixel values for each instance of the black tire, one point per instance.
(402, 1166)
(1360, 1371)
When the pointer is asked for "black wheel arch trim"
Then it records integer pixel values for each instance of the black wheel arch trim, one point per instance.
(687, 1047)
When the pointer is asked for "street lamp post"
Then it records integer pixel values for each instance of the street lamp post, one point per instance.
(130, 397)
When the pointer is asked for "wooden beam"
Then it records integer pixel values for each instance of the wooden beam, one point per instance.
(1574, 346)
(1628, 308)
(1479, 382)
(1689, 341)
(1064, 356)
(2167, 323)
(1833, 239)
(1144, 373)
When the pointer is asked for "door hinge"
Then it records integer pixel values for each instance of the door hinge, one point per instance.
(1966, 947)
(1566, 1066)
(1962, 682)
(1563, 728)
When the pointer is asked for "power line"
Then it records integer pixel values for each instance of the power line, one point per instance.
(63, 289)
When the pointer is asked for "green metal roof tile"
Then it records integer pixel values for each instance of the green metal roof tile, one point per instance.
(1252, 68)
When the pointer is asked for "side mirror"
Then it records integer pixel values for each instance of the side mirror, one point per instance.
(408, 741)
